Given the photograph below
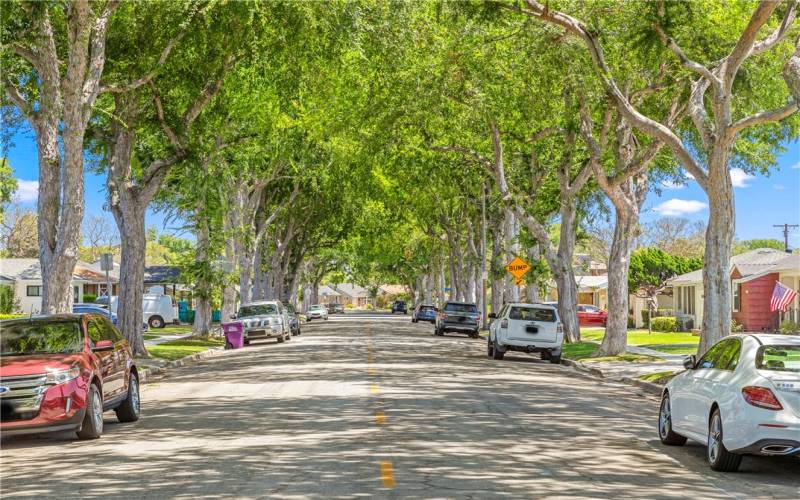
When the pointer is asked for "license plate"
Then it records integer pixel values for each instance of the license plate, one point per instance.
(532, 329)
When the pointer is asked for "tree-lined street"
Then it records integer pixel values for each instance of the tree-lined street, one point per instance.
(323, 415)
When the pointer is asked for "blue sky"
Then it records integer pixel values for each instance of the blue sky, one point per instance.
(761, 201)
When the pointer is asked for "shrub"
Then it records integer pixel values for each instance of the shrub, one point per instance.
(89, 298)
(665, 324)
(789, 327)
(645, 316)
(631, 321)
(348, 306)
(736, 327)
(8, 302)
(663, 312)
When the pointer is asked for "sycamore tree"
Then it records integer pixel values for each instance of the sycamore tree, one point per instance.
(53, 56)
(745, 86)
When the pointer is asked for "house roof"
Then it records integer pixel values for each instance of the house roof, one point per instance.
(589, 282)
(790, 263)
(392, 289)
(29, 270)
(327, 291)
(112, 273)
(749, 264)
(351, 290)
(162, 274)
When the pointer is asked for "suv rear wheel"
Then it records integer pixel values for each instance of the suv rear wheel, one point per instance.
(128, 411)
(156, 322)
(92, 426)
(496, 352)
(489, 348)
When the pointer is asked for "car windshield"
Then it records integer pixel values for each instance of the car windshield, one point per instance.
(462, 308)
(781, 358)
(316, 308)
(40, 337)
(532, 314)
(257, 310)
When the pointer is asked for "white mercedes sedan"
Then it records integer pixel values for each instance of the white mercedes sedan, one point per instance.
(741, 398)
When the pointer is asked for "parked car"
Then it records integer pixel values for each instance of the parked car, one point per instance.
(589, 315)
(335, 308)
(294, 320)
(317, 311)
(264, 320)
(61, 372)
(424, 312)
(399, 306)
(461, 317)
(526, 328)
(158, 309)
(741, 398)
(99, 309)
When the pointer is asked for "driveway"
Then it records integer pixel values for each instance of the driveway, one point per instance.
(363, 406)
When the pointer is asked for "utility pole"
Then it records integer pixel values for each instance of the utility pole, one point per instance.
(786, 234)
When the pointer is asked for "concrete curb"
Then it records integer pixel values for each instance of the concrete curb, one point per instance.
(146, 374)
(650, 387)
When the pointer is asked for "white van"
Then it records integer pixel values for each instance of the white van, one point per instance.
(158, 309)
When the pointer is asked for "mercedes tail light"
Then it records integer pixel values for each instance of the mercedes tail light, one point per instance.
(762, 397)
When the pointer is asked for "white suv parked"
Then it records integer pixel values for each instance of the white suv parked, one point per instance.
(742, 397)
(526, 328)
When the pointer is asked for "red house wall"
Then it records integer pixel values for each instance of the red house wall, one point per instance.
(754, 312)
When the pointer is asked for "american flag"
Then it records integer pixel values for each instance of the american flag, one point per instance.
(782, 296)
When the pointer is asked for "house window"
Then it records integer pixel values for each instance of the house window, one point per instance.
(76, 294)
(737, 296)
(33, 291)
(686, 299)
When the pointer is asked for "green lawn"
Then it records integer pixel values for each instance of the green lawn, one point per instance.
(171, 330)
(658, 377)
(641, 337)
(673, 349)
(176, 349)
(149, 336)
(583, 351)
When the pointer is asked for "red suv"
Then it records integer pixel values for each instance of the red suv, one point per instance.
(61, 372)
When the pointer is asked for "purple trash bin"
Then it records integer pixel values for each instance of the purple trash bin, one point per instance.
(234, 335)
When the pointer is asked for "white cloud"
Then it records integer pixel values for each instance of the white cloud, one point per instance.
(796, 166)
(672, 185)
(690, 176)
(779, 187)
(739, 178)
(677, 207)
(27, 191)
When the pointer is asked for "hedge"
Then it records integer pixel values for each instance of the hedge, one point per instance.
(664, 324)
(89, 298)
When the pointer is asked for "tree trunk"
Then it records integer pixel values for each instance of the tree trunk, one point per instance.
(202, 289)
(616, 337)
(512, 249)
(130, 220)
(716, 268)
(532, 288)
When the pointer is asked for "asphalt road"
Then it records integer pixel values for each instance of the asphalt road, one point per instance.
(373, 406)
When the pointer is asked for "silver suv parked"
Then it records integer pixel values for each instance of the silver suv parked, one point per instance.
(263, 320)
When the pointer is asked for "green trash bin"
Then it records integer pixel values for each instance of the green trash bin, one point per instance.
(189, 316)
(215, 316)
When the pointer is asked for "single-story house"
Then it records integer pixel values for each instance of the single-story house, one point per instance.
(328, 295)
(592, 290)
(350, 293)
(753, 276)
(389, 292)
(168, 277)
(96, 279)
(26, 278)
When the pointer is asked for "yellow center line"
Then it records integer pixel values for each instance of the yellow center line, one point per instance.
(387, 475)
(380, 418)
(374, 389)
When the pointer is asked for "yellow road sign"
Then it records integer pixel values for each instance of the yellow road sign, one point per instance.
(518, 268)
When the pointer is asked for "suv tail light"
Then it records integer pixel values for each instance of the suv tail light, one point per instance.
(478, 318)
(761, 397)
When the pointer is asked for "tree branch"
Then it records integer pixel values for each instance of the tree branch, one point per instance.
(208, 93)
(744, 46)
(97, 55)
(637, 119)
(19, 100)
(171, 135)
(684, 59)
(697, 111)
(765, 117)
(780, 32)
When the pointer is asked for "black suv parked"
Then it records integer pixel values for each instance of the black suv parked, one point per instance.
(399, 306)
(461, 317)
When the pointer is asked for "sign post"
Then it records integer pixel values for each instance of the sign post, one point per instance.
(107, 264)
(518, 268)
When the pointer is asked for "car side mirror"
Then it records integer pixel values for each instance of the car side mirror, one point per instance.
(492, 316)
(690, 362)
(103, 345)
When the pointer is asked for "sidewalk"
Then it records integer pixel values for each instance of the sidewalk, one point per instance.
(166, 338)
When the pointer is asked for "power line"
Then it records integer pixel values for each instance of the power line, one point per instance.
(786, 234)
